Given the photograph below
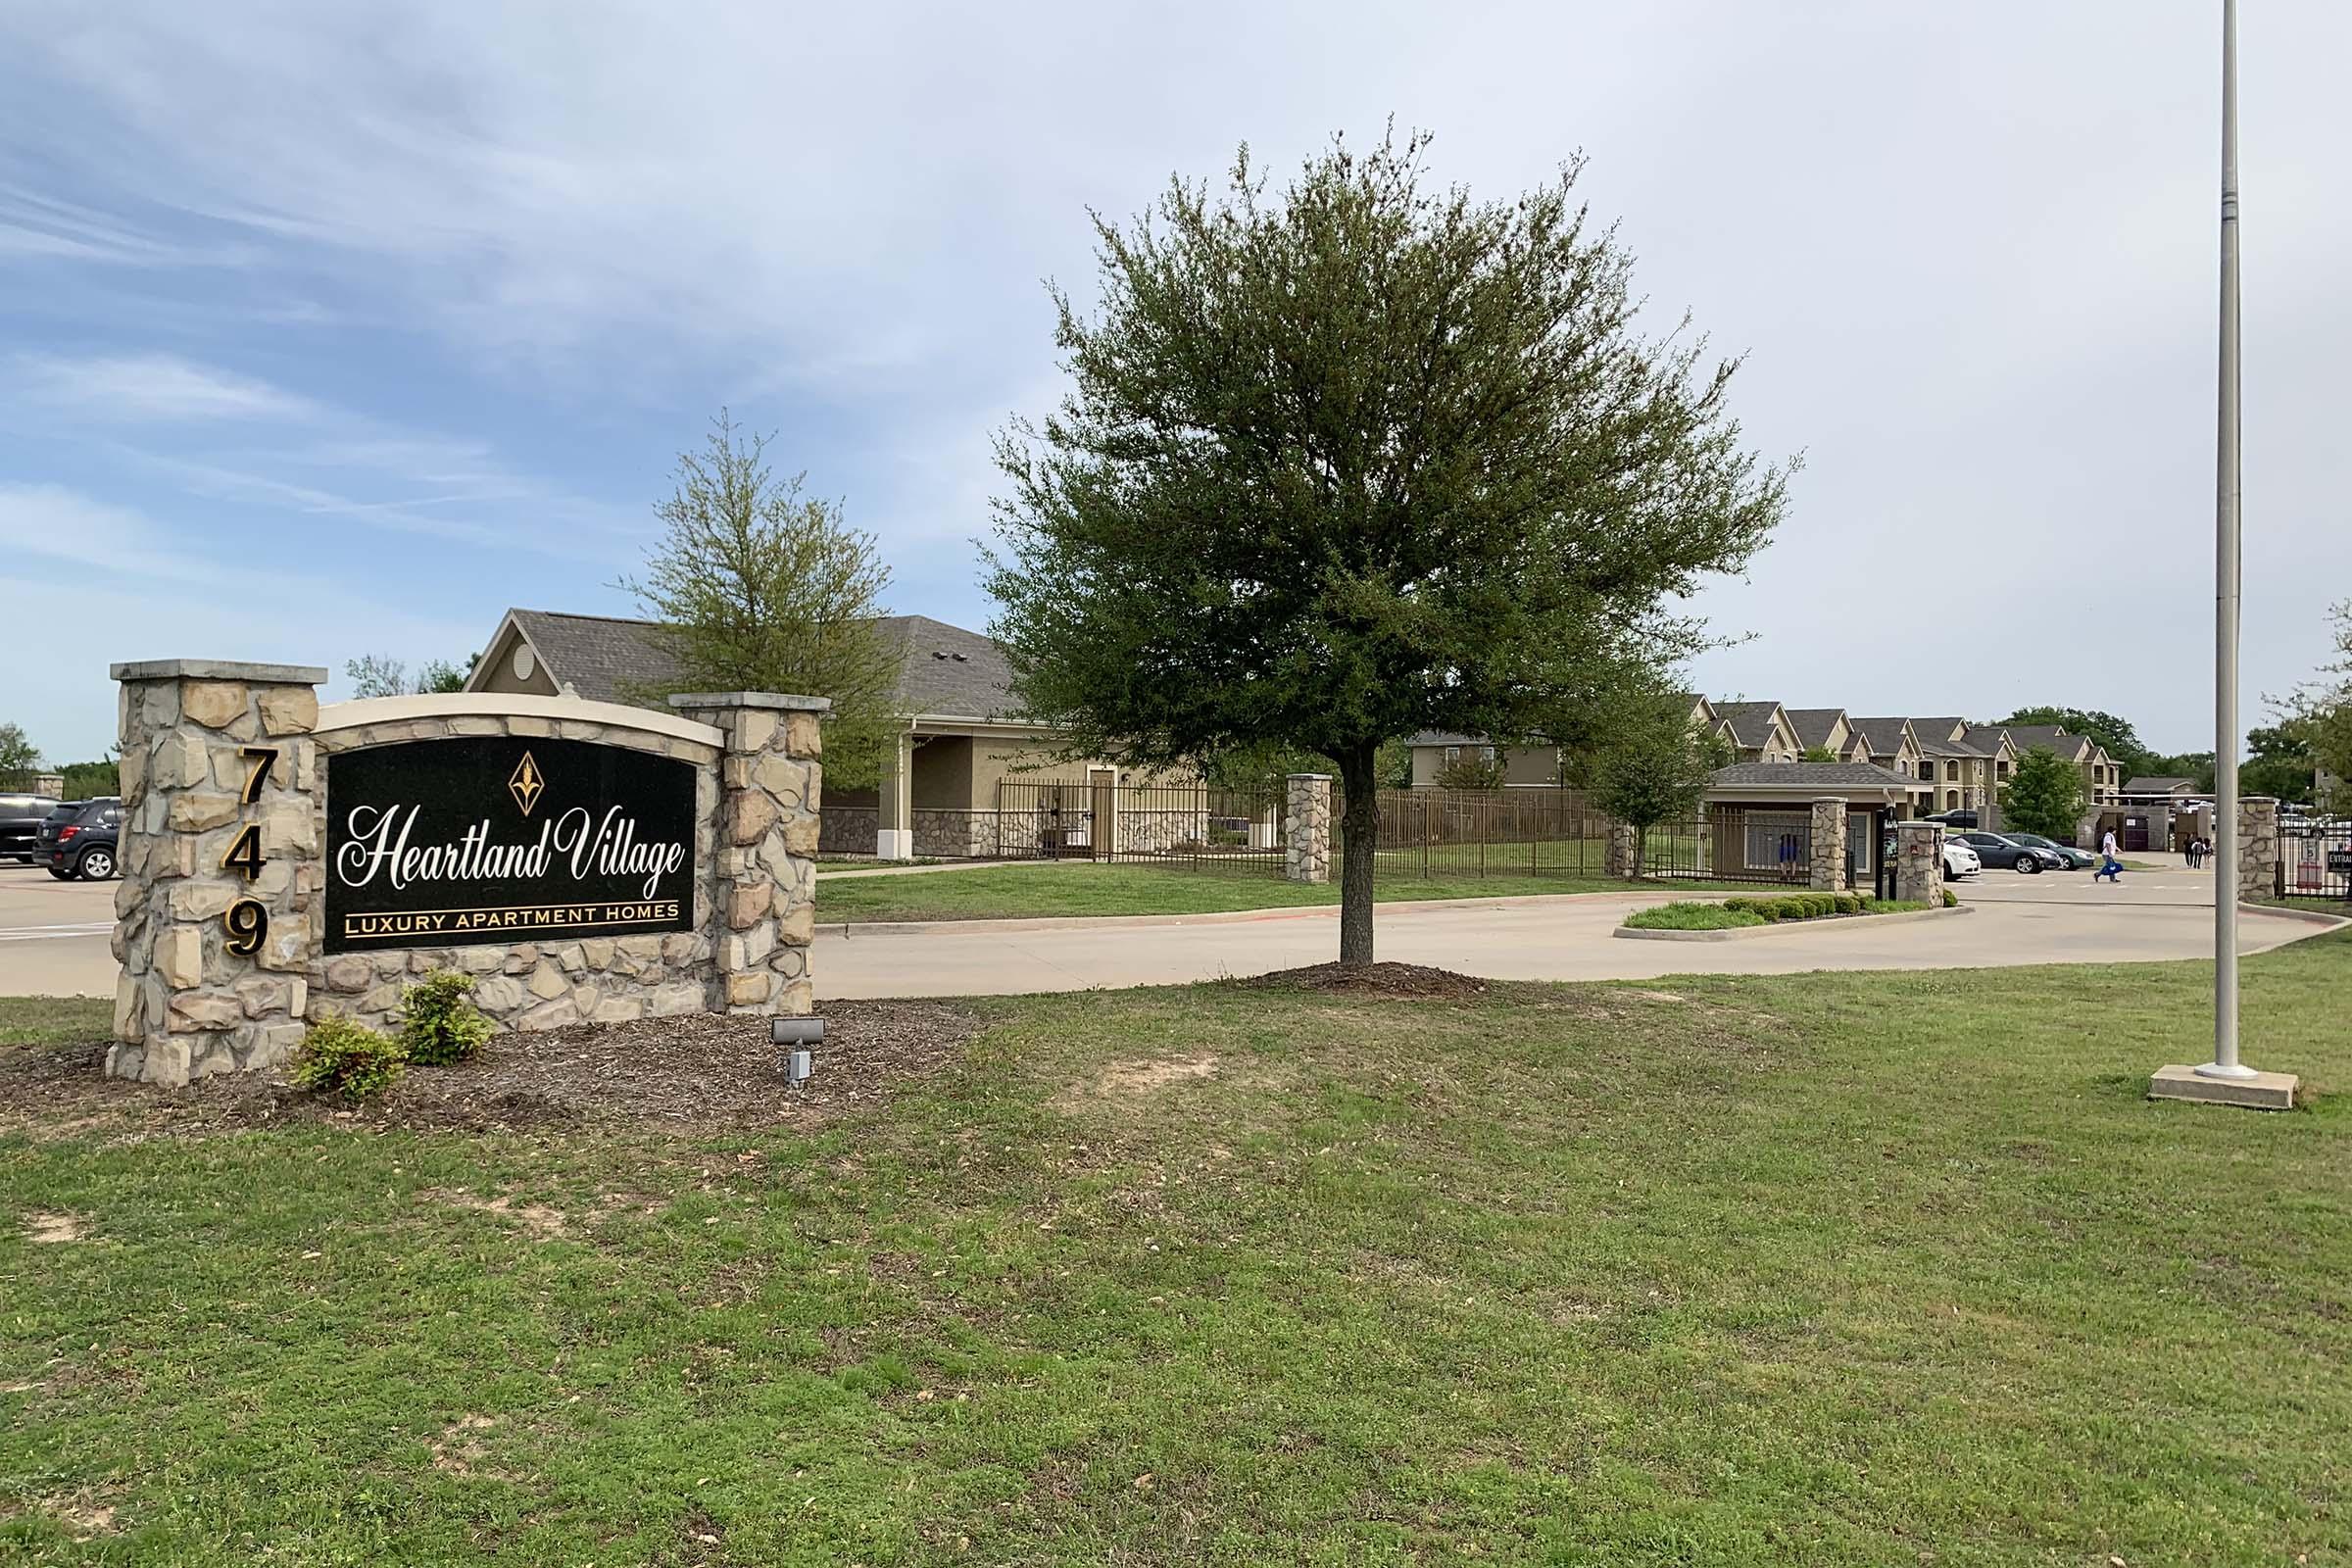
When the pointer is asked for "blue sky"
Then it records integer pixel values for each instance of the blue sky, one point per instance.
(328, 330)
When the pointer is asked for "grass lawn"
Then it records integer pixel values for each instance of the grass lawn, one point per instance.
(1821, 1269)
(1009, 892)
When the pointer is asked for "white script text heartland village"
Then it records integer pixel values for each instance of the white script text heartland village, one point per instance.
(380, 842)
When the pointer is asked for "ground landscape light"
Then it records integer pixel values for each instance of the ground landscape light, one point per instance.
(799, 1034)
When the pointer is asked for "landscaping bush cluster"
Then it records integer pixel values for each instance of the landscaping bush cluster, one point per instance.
(1800, 906)
(439, 1025)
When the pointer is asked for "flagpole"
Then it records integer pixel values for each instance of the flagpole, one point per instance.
(2226, 561)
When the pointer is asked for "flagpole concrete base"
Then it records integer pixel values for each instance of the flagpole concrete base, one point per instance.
(2263, 1090)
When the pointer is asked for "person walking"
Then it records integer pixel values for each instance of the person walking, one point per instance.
(2109, 866)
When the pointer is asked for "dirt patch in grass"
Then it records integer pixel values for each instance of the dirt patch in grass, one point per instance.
(1411, 981)
(1124, 1079)
(694, 1073)
(52, 1227)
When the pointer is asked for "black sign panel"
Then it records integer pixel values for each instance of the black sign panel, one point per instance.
(453, 843)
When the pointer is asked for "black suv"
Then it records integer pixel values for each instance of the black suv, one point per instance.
(79, 838)
(20, 824)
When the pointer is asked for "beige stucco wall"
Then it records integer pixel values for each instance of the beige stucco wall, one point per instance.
(498, 664)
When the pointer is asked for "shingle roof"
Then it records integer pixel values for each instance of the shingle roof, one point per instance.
(1813, 724)
(2025, 737)
(1932, 733)
(1440, 737)
(1886, 735)
(2151, 784)
(949, 671)
(1809, 778)
(1751, 722)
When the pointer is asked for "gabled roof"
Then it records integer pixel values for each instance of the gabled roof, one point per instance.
(1813, 725)
(1886, 735)
(949, 672)
(1805, 778)
(2054, 737)
(1935, 738)
(2164, 784)
(1751, 723)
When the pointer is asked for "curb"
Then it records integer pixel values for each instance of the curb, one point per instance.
(2307, 917)
(1280, 911)
(1742, 932)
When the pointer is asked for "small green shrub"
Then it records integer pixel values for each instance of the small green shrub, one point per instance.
(1693, 916)
(439, 1024)
(1848, 903)
(1951, 900)
(347, 1059)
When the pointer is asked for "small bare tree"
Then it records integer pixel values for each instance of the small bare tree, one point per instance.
(758, 587)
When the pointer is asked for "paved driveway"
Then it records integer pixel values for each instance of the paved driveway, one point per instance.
(53, 934)
(53, 940)
(2052, 918)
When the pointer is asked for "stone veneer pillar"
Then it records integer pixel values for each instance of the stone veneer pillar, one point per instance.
(1617, 857)
(197, 773)
(1307, 849)
(1825, 866)
(1919, 861)
(765, 875)
(2258, 870)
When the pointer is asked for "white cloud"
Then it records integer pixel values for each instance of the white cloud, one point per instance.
(142, 388)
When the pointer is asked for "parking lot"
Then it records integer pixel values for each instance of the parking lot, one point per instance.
(53, 934)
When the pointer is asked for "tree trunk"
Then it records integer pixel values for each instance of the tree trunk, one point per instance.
(1359, 827)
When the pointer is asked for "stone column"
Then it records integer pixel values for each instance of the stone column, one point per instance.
(893, 829)
(1617, 859)
(1306, 854)
(2258, 869)
(1826, 869)
(765, 876)
(220, 862)
(1919, 861)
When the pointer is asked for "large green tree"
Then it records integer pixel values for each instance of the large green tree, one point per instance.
(2044, 795)
(2320, 714)
(1355, 458)
(754, 586)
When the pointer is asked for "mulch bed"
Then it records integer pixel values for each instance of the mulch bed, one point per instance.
(1407, 981)
(696, 1073)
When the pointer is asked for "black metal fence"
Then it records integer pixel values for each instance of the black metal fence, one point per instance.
(2315, 860)
(1559, 833)
(1424, 833)
(1198, 827)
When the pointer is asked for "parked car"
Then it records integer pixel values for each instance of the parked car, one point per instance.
(1959, 819)
(2007, 853)
(1959, 859)
(80, 839)
(21, 817)
(2073, 858)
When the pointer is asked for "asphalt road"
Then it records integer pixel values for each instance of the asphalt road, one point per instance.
(53, 940)
(2051, 918)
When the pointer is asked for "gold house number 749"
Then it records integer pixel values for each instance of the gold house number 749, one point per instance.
(246, 920)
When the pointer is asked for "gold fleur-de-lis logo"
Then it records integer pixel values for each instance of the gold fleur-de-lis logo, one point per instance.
(527, 785)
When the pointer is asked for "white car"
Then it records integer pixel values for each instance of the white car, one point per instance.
(1959, 859)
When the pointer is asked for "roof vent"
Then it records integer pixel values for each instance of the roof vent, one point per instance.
(939, 653)
(961, 658)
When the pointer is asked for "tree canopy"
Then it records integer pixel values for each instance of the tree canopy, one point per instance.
(1354, 460)
(20, 758)
(2044, 794)
(754, 586)
(2321, 712)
